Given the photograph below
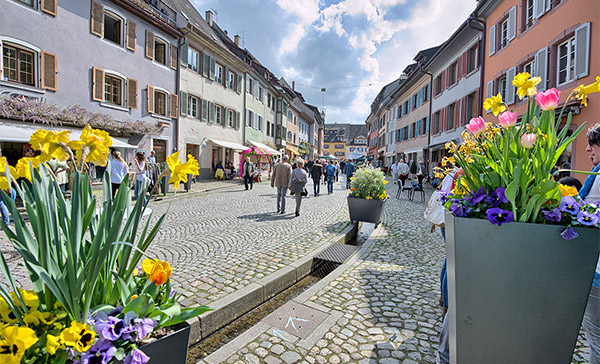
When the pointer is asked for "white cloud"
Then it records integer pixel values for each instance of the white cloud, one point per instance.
(307, 12)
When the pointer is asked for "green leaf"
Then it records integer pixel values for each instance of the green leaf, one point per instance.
(186, 314)
(141, 305)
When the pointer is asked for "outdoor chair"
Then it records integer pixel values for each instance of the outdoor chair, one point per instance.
(417, 187)
(402, 188)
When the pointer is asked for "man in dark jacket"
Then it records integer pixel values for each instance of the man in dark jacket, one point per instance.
(316, 171)
(349, 172)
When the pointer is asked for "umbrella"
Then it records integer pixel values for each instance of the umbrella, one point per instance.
(256, 151)
(326, 157)
(355, 155)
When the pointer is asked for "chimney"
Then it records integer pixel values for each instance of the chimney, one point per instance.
(293, 85)
(209, 17)
(236, 39)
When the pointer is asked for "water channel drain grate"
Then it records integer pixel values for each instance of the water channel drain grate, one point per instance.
(337, 253)
(296, 319)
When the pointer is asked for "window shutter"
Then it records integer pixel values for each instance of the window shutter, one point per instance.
(131, 35)
(211, 69)
(225, 119)
(456, 114)
(541, 65)
(183, 57)
(132, 93)
(237, 120)
(174, 106)
(240, 82)
(97, 84)
(465, 64)
(459, 62)
(510, 89)
(226, 77)
(539, 8)
(183, 103)
(427, 125)
(150, 99)
(48, 68)
(582, 50)
(492, 40)
(211, 112)
(476, 111)
(48, 6)
(204, 111)
(97, 19)
(512, 23)
(205, 65)
(464, 110)
(174, 57)
(149, 44)
(419, 130)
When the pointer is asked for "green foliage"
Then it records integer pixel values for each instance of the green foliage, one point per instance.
(413, 167)
(369, 183)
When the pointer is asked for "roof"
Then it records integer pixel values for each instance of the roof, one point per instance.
(344, 133)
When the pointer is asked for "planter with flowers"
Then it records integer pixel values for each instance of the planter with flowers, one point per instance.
(522, 249)
(367, 195)
(92, 301)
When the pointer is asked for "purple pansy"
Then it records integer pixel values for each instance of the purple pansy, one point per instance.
(587, 219)
(477, 197)
(444, 196)
(459, 210)
(569, 234)
(136, 357)
(497, 216)
(139, 329)
(172, 293)
(498, 197)
(110, 329)
(100, 353)
(570, 205)
(553, 215)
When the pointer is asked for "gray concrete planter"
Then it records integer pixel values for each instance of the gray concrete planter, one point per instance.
(365, 210)
(518, 292)
(170, 349)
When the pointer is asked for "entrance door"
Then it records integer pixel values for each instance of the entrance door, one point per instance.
(160, 148)
(192, 149)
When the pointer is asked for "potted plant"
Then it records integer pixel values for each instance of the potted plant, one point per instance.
(367, 195)
(521, 248)
(91, 302)
(413, 169)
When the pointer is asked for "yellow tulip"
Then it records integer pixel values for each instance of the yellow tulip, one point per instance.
(97, 143)
(525, 84)
(78, 336)
(53, 343)
(158, 271)
(22, 168)
(180, 171)
(50, 144)
(4, 182)
(16, 340)
(567, 190)
(495, 103)
(582, 91)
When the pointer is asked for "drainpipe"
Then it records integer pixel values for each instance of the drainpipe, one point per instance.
(479, 28)
(422, 69)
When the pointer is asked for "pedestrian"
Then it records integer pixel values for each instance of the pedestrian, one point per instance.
(298, 179)
(403, 171)
(590, 192)
(248, 173)
(309, 165)
(337, 170)
(421, 171)
(342, 166)
(60, 170)
(394, 172)
(330, 176)
(316, 172)
(140, 174)
(280, 179)
(349, 172)
(118, 171)
(152, 157)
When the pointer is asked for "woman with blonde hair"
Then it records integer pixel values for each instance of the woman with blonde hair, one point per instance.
(118, 170)
(298, 179)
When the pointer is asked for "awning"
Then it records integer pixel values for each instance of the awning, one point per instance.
(293, 150)
(264, 147)
(228, 145)
(21, 133)
(412, 151)
(390, 154)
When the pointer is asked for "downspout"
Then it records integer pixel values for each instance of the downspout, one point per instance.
(481, 23)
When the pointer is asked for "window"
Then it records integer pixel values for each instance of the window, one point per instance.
(232, 80)
(529, 13)
(528, 67)
(113, 90)
(193, 106)
(218, 73)
(566, 61)
(450, 116)
(470, 110)
(289, 136)
(218, 114)
(472, 59)
(438, 85)
(193, 60)
(18, 65)
(294, 138)
(326, 146)
(27, 2)
(426, 93)
(339, 146)
(436, 122)
(453, 70)
(160, 103)
(501, 86)
(112, 28)
(504, 33)
(160, 51)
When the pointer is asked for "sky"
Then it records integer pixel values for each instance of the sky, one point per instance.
(352, 48)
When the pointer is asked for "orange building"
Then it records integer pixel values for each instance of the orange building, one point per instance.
(557, 40)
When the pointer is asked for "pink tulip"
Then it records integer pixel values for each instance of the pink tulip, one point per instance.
(508, 119)
(528, 140)
(548, 100)
(476, 126)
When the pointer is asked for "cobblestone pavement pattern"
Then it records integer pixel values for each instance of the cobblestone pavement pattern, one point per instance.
(388, 300)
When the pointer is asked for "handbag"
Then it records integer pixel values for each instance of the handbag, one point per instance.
(434, 213)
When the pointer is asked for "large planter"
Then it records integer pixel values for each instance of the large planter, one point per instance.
(518, 292)
(170, 349)
(365, 210)
(164, 184)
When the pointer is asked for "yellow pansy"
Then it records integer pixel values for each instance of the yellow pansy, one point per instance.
(22, 168)
(582, 91)
(16, 340)
(50, 144)
(369, 198)
(97, 143)
(180, 171)
(494, 103)
(385, 182)
(4, 182)
(53, 343)
(567, 190)
(30, 299)
(6, 314)
(78, 336)
(36, 318)
(525, 84)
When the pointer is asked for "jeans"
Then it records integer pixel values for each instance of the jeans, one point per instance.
(443, 352)
(591, 324)
(330, 184)
(317, 187)
(249, 179)
(137, 189)
(4, 213)
(281, 191)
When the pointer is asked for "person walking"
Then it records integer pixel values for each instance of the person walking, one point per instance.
(280, 179)
(337, 170)
(394, 172)
(248, 173)
(60, 170)
(421, 171)
(298, 179)
(152, 157)
(118, 171)
(330, 176)
(140, 173)
(403, 171)
(349, 172)
(316, 171)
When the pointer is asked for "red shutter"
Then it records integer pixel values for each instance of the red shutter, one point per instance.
(443, 80)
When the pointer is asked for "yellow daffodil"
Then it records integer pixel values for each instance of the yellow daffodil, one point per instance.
(97, 142)
(582, 91)
(460, 188)
(22, 168)
(53, 343)
(494, 103)
(525, 84)
(158, 271)
(451, 147)
(78, 336)
(16, 340)
(180, 171)
(4, 182)
(50, 144)
(567, 190)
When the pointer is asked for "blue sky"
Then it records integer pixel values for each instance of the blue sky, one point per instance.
(350, 47)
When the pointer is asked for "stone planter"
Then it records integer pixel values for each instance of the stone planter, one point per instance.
(170, 349)
(365, 210)
(518, 292)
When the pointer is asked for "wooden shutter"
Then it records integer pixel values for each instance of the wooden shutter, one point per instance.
(226, 77)
(211, 112)
(510, 89)
(541, 65)
(131, 35)
(132, 93)
(492, 40)
(48, 6)
(512, 23)
(211, 70)
(48, 68)
(149, 44)
(237, 119)
(183, 57)
(150, 99)
(97, 84)
(206, 65)
(240, 82)
(582, 50)
(97, 19)
(183, 102)
(174, 106)
(174, 57)
(204, 111)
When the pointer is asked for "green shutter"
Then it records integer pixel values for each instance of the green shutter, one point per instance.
(212, 68)
(183, 103)
(204, 110)
(237, 120)
(211, 112)
(184, 55)
(226, 77)
(240, 81)
(205, 65)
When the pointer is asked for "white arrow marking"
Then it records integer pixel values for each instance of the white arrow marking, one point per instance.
(291, 321)
(277, 333)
